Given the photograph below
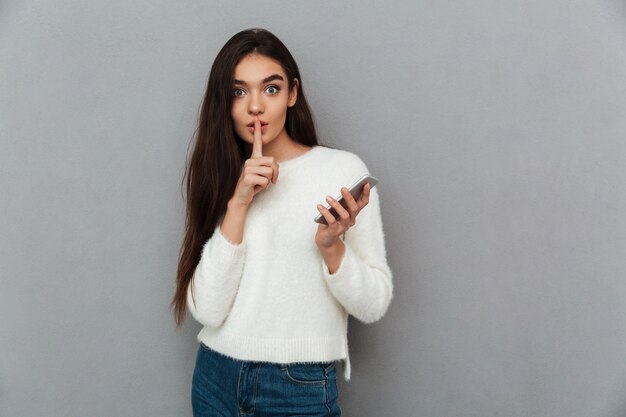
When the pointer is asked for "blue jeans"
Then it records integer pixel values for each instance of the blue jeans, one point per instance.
(227, 387)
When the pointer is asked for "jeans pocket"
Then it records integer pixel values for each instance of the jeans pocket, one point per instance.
(307, 373)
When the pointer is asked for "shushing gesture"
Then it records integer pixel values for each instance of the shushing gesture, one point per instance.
(257, 173)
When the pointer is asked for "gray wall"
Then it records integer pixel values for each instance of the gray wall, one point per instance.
(497, 128)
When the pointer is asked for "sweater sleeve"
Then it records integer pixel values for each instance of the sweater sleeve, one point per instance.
(216, 279)
(362, 284)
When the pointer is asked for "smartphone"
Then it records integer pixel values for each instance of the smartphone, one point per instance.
(356, 189)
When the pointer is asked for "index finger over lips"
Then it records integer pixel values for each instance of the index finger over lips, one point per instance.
(257, 145)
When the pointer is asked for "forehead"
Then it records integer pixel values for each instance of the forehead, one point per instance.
(254, 67)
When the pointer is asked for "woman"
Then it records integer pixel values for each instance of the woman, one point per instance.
(272, 288)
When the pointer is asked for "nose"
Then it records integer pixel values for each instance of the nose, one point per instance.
(255, 105)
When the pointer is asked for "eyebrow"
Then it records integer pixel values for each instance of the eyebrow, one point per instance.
(265, 80)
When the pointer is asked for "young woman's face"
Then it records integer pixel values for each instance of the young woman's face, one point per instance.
(261, 90)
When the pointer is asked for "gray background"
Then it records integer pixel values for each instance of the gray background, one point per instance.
(497, 128)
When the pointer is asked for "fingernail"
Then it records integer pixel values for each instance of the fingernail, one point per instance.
(319, 206)
(329, 198)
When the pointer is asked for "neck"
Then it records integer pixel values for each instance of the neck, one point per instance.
(284, 147)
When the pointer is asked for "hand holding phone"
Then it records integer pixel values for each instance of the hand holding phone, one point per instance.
(355, 189)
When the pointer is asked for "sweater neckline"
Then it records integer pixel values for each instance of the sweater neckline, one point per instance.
(288, 163)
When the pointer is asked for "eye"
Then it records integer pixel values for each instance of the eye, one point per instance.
(238, 92)
(272, 89)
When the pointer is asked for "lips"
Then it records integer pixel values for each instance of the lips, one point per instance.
(251, 129)
(251, 124)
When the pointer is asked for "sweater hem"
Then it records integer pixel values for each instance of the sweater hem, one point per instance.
(275, 350)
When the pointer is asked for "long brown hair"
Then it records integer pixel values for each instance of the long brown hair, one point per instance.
(218, 152)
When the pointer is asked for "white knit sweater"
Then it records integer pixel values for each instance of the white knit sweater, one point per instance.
(271, 298)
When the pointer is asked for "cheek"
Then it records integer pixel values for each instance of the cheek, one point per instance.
(239, 120)
(235, 112)
(236, 121)
(280, 108)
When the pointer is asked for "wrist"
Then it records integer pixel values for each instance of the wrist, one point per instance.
(336, 247)
(235, 205)
(233, 223)
(333, 255)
